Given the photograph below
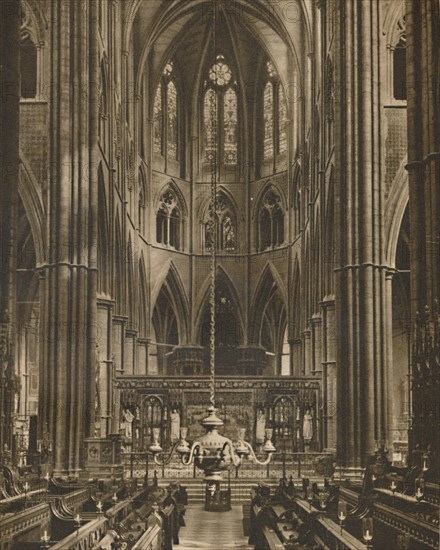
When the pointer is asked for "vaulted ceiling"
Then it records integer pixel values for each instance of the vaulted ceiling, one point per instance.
(159, 29)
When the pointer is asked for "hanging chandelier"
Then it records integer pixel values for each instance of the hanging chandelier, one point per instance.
(213, 453)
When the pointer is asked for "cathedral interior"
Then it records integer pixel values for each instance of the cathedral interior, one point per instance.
(220, 273)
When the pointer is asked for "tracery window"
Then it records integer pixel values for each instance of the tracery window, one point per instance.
(226, 226)
(274, 115)
(270, 229)
(28, 68)
(220, 114)
(166, 116)
(169, 222)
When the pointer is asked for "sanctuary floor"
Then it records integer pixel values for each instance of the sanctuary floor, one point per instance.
(213, 530)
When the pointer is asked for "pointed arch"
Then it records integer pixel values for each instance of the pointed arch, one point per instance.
(171, 185)
(270, 218)
(223, 281)
(226, 223)
(30, 194)
(268, 286)
(171, 214)
(170, 283)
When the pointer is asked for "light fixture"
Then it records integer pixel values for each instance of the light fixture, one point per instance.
(77, 523)
(45, 539)
(342, 513)
(213, 453)
(367, 531)
(99, 506)
(420, 489)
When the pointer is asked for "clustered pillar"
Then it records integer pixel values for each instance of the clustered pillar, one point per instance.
(9, 170)
(67, 387)
(360, 271)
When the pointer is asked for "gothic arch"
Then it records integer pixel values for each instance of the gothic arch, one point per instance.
(268, 26)
(30, 194)
(226, 212)
(269, 284)
(269, 218)
(171, 184)
(169, 281)
(397, 201)
(222, 278)
(33, 22)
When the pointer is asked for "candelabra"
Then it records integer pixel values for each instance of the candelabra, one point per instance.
(213, 453)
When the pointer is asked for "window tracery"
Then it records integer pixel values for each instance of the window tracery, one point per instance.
(220, 99)
(270, 222)
(226, 226)
(169, 222)
(166, 115)
(29, 54)
(274, 115)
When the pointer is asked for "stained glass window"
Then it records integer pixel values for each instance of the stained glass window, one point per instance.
(268, 121)
(228, 234)
(272, 72)
(172, 121)
(210, 108)
(168, 68)
(220, 73)
(230, 127)
(157, 120)
(282, 120)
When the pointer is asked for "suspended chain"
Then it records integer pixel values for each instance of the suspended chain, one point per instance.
(213, 222)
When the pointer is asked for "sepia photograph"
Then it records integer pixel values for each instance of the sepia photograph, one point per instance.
(219, 274)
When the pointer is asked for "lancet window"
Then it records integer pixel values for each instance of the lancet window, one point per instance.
(274, 115)
(220, 114)
(166, 116)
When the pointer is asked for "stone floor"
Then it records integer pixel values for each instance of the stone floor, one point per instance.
(213, 530)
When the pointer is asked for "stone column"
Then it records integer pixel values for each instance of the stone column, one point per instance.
(423, 77)
(105, 365)
(423, 74)
(9, 172)
(316, 324)
(360, 270)
(328, 374)
(67, 391)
